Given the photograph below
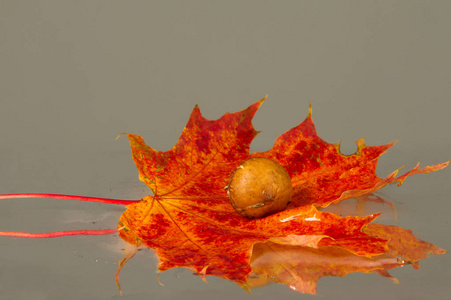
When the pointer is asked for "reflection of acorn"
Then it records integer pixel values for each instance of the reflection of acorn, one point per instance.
(259, 187)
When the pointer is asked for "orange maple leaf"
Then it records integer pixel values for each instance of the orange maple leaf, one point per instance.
(190, 223)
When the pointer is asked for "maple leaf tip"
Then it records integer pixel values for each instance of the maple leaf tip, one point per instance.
(259, 102)
(245, 286)
(203, 273)
(196, 110)
(158, 279)
(392, 144)
(120, 135)
(129, 135)
(375, 215)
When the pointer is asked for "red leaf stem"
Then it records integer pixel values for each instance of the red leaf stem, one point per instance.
(57, 233)
(69, 197)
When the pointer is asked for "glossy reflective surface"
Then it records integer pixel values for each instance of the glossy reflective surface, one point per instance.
(75, 75)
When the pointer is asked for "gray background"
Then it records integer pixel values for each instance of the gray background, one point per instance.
(75, 74)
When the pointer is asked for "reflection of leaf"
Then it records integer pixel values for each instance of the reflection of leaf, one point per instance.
(402, 243)
(189, 222)
(301, 267)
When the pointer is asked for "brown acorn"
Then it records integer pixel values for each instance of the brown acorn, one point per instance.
(259, 187)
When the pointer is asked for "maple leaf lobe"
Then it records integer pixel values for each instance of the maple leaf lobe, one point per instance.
(205, 151)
